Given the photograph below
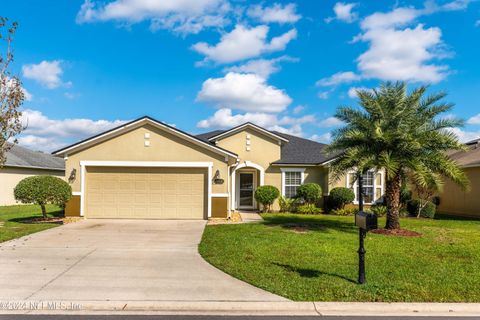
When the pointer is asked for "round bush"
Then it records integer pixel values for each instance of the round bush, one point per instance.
(428, 210)
(309, 192)
(266, 195)
(339, 197)
(43, 190)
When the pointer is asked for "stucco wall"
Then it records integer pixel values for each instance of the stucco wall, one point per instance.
(10, 177)
(317, 174)
(263, 149)
(164, 146)
(453, 200)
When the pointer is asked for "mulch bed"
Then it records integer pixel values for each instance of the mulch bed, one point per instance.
(52, 220)
(397, 232)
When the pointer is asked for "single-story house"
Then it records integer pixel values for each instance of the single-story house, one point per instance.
(454, 200)
(22, 163)
(146, 169)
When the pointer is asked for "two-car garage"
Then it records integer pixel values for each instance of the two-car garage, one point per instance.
(146, 169)
(145, 192)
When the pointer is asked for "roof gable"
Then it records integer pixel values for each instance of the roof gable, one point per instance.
(244, 126)
(138, 123)
(298, 151)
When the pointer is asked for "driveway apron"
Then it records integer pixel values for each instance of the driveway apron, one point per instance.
(127, 260)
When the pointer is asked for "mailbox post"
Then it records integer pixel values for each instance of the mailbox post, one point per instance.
(364, 221)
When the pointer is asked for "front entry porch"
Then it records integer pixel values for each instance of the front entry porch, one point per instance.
(246, 178)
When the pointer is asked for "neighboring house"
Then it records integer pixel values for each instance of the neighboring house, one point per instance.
(147, 169)
(453, 200)
(22, 163)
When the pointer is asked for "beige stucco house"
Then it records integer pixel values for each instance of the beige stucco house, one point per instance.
(454, 200)
(147, 169)
(22, 163)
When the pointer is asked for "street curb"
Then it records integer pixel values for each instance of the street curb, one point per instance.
(251, 308)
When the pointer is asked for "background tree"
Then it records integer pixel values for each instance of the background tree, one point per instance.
(11, 92)
(401, 132)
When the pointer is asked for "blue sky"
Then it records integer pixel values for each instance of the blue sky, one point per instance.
(209, 64)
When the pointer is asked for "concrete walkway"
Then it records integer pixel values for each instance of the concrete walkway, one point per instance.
(250, 216)
(121, 260)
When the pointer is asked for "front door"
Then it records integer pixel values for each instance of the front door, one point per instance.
(245, 190)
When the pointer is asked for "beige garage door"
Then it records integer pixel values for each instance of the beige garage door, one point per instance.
(145, 193)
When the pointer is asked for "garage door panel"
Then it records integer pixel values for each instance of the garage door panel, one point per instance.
(145, 193)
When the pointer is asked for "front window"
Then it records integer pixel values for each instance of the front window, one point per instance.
(291, 181)
(372, 186)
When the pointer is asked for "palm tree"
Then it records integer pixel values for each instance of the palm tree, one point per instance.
(399, 131)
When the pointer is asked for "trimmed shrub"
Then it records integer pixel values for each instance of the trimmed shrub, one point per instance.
(428, 210)
(43, 190)
(286, 204)
(339, 197)
(308, 208)
(345, 212)
(309, 192)
(378, 210)
(266, 195)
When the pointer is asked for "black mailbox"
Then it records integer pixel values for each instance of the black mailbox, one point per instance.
(366, 221)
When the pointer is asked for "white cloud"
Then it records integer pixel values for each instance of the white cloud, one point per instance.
(398, 52)
(224, 118)
(324, 138)
(295, 130)
(182, 16)
(338, 78)
(47, 144)
(27, 94)
(47, 73)
(465, 136)
(71, 95)
(324, 94)
(244, 43)
(47, 134)
(456, 5)
(395, 18)
(352, 92)
(474, 119)
(247, 92)
(330, 122)
(276, 13)
(344, 12)
(261, 67)
(298, 109)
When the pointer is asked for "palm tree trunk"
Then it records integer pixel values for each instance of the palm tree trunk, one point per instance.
(392, 194)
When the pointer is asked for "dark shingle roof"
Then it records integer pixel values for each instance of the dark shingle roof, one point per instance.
(296, 151)
(469, 157)
(22, 157)
(207, 135)
(302, 151)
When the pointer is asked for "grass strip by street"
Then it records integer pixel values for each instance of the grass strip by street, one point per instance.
(16, 221)
(314, 258)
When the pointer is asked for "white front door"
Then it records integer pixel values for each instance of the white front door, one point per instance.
(245, 190)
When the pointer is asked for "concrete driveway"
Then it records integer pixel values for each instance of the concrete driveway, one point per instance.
(117, 260)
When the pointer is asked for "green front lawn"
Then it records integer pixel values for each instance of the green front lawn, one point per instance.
(15, 221)
(305, 257)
